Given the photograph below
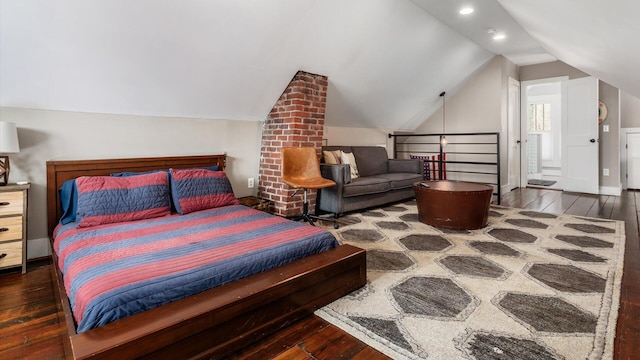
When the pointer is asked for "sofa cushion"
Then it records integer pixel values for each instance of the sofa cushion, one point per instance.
(366, 185)
(372, 160)
(401, 180)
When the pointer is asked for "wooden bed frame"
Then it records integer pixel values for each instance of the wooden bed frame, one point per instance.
(216, 322)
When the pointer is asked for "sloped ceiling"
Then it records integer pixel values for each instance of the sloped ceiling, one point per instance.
(387, 60)
(597, 37)
(517, 46)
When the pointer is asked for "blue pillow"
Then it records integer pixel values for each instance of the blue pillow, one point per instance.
(69, 201)
(134, 173)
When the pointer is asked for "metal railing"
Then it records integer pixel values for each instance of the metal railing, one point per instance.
(466, 156)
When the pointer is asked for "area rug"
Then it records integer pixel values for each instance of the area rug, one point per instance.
(530, 285)
(541, 182)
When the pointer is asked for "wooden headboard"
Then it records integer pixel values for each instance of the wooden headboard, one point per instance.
(59, 171)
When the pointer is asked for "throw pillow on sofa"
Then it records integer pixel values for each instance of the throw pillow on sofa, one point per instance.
(348, 158)
(332, 157)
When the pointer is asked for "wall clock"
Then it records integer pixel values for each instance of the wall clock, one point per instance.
(602, 112)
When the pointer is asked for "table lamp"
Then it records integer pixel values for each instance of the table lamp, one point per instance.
(8, 144)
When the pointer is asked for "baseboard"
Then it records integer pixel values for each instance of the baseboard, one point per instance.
(610, 190)
(507, 188)
(37, 248)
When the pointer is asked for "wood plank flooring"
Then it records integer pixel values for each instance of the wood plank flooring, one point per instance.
(625, 207)
(29, 326)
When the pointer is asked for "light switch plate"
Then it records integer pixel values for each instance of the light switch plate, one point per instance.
(605, 128)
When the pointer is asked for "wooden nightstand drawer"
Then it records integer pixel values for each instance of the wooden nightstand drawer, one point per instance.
(11, 254)
(13, 225)
(11, 203)
(11, 228)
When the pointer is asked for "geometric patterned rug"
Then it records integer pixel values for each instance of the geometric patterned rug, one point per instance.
(529, 285)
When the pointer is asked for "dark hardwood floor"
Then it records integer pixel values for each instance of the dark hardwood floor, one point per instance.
(29, 326)
(625, 207)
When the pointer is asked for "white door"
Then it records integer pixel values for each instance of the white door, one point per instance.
(580, 147)
(513, 134)
(633, 161)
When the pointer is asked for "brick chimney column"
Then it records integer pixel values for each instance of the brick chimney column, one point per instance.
(296, 120)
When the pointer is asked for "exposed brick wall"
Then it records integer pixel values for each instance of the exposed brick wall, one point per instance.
(296, 120)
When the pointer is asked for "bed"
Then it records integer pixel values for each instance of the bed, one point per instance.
(208, 324)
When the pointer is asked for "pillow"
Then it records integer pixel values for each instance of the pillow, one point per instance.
(134, 173)
(69, 201)
(107, 199)
(425, 166)
(348, 158)
(332, 156)
(200, 189)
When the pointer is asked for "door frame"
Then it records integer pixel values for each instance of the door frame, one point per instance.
(623, 154)
(524, 131)
(513, 122)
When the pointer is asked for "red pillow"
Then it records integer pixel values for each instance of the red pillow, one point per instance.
(199, 189)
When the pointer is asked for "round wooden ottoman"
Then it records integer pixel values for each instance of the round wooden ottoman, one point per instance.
(455, 205)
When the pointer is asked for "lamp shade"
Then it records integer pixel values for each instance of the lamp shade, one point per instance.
(8, 138)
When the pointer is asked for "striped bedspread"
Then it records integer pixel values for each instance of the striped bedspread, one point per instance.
(116, 270)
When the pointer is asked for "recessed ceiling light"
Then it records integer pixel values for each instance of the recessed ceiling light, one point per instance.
(499, 36)
(495, 34)
(466, 10)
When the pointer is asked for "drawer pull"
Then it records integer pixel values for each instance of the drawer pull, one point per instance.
(4, 229)
(4, 203)
(2, 255)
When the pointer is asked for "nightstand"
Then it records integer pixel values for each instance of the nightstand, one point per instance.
(257, 203)
(13, 226)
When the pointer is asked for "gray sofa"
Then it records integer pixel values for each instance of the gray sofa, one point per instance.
(382, 180)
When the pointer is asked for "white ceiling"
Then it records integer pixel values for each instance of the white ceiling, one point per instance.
(387, 60)
(597, 37)
(518, 46)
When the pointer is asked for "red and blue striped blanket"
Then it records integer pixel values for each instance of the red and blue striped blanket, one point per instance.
(116, 270)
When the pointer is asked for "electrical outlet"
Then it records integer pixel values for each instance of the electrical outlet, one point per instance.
(605, 172)
(250, 183)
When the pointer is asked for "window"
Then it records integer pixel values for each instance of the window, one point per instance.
(539, 117)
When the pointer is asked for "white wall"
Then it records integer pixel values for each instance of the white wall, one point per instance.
(337, 135)
(48, 135)
(476, 107)
(629, 123)
(479, 106)
(549, 70)
(629, 110)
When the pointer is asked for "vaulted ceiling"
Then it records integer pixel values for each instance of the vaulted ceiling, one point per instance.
(387, 60)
